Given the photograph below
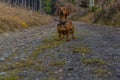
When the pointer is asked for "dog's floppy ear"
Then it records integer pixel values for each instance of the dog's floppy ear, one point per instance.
(68, 12)
(57, 12)
(57, 9)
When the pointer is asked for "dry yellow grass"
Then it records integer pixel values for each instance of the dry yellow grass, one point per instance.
(87, 18)
(16, 18)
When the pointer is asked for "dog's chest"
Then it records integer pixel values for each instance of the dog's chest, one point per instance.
(63, 30)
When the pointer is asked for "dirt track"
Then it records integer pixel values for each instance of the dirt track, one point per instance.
(34, 54)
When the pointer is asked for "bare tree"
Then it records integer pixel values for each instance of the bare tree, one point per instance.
(35, 5)
(40, 5)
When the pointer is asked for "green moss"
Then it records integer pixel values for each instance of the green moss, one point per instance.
(29, 63)
(83, 50)
(39, 68)
(50, 78)
(51, 72)
(60, 63)
(100, 72)
(9, 77)
(94, 61)
(47, 43)
(19, 65)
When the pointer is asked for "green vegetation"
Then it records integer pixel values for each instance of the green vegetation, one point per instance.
(47, 43)
(9, 77)
(100, 72)
(39, 68)
(94, 61)
(94, 8)
(50, 78)
(51, 72)
(29, 63)
(59, 63)
(83, 50)
(12, 18)
(105, 12)
(49, 6)
(84, 3)
(18, 65)
(108, 14)
(72, 1)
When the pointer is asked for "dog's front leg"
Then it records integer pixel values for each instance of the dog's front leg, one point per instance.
(73, 36)
(63, 36)
(60, 36)
(67, 37)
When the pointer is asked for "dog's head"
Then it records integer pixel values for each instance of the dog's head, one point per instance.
(62, 11)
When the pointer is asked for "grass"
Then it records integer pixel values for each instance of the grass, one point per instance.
(109, 15)
(100, 72)
(50, 78)
(31, 60)
(87, 18)
(82, 49)
(59, 63)
(51, 72)
(39, 68)
(18, 65)
(17, 18)
(9, 77)
(47, 43)
(21, 64)
(94, 61)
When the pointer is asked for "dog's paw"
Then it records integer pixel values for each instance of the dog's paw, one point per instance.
(67, 40)
(73, 38)
(59, 39)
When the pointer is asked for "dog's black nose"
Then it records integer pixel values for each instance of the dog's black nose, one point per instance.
(60, 11)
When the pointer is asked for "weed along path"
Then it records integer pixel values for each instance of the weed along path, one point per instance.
(35, 54)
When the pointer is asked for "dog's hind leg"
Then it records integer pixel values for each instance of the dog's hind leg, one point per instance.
(72, 33)
(67, 37)
(63, 36)
(60, 35)
(73, 36)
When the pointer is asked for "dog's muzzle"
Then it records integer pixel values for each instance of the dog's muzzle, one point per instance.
(61, 12)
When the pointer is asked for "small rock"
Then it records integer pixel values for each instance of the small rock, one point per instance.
(117, 25)
(61, 78)
(70, 69)
(3, 73)
(118, 73)
(69, 61)
(6, 34)
(37, 79)
(69, 74)
(23, 74)
(6, 55)
(52, 50)
(22, 56)
(56, 72)
(71, 78)
(2, 59)
(16, 58)
(60, 70)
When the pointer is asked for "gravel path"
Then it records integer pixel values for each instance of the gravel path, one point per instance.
(93, 55)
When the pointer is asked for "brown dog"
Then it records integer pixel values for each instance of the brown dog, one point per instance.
(65, 27)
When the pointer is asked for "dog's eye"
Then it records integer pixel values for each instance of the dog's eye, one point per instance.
(59, 9)
(64, 9)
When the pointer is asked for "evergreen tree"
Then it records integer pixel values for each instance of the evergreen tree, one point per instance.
(53, 6)
(72, 1)
(47, 6)
(84, 3)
